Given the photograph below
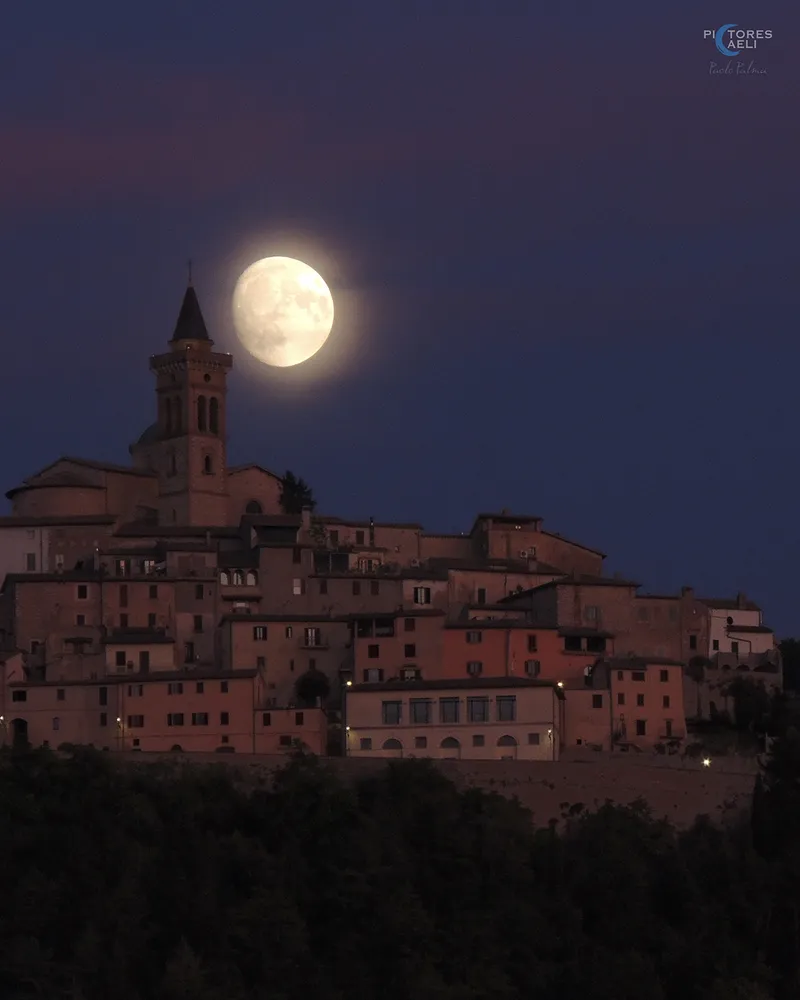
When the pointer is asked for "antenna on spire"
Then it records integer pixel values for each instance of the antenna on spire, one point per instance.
(189, 267)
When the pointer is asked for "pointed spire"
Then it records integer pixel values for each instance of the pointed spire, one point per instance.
(190, 325)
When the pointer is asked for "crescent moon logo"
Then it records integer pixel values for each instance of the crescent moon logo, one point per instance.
(718, 39)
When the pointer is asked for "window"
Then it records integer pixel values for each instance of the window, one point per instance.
(285, 741)
(507, 708)
(356, 588)
(19, 696)
(640, 700)
(533, 739)
(591, 613)
(734, 647)
(83, 591)
(224, 579)
(202, 411)
(199, 718)
(323, 586)
(422, 595)
(188, 652)
(199, 591)
(365, 743)
(313, 637)
(532, 667)
(449, 710)
(410, 650)
(213, 416)
(103, 719)
(692, 642)
(421, 710)
(478, 709)
(135, 690)
(665, 701)
(176, 687)
(266, 719)
(715, 644)
(373, 675)
(59, 561)
(298, 718)
(198, 623)
(620, 699)
(260, 632)
(474, 667)
(532, 643)
(61, 694)
(373, 651)
(641, 727)
(135, 722)
(298, 587)
(420, 742)
(122, 567)
(120, 658)
(637, 675)
(668, 727)
(474, 637)
(80, 619)
(478, 740)
(297, 555)
(199, 687)
(410, 625)
(392, 713)
(175, 719)
(123, 621)
(597, 701)
(411, 674)
(664, 676)
(595, 644)
(102, 696)
(30, 562)
(359, 538)
(123, 595)
(481, 595)
(374, 588)
(573, 643)
(207, 465)
(223, 687)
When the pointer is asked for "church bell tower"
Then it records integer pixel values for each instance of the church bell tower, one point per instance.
(188, 450)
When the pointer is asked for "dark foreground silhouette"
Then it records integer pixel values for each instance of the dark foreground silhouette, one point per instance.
(133, 883)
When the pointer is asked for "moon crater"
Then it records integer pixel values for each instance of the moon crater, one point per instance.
(282, 311)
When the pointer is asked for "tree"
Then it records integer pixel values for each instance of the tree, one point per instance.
(751, 702)
(296, 494)
(696, 670)
(790, 654)
(310, 686)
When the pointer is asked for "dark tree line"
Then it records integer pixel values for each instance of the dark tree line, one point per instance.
(140, 882)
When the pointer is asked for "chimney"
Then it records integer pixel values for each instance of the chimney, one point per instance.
(306, 515)
(741, 600)
(372, 532)
(687, 592)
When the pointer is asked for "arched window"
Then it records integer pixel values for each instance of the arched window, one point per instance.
(168, 415)
(177, 420)
(207, 467)
(201, 413)
(254, 507)
(213, 415)
(172, 467)
(251, 579)
(224, 578)
(506, 741)
(392, 745)
(450, 743)
(238, 578)
(509, 745)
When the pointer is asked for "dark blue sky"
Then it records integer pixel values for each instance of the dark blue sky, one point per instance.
(564, 258)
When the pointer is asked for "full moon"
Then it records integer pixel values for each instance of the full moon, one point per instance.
(282, 311)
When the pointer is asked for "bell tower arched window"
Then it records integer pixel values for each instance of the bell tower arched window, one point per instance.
(201, 413)
(168, 415)
(213, 415)
(207, 467)
(177, 420)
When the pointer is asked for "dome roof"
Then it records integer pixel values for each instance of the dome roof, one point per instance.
(149, 435)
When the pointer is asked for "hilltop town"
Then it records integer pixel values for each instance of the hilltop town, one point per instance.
(181, 603)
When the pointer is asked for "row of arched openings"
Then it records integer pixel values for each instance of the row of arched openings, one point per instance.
(238, 578)
(207, 415)
(449, 743)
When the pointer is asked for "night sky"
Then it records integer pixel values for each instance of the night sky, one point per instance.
(564, 258)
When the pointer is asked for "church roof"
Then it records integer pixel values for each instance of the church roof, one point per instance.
(190, 325)
(150, 434)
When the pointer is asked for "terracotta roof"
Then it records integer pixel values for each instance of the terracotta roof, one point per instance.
(234, 470)
(579, 580)
(640, 662)
(569, 541)
(150, 434)
(763, 629)
(64, 521)
(580, 631)
(260, 619)
(99, 466)
(467, 684)
(190, 325)
(330, 519)
(136, 637)
(134, 677)
(729, 604)
(143, 529)
(479, 624)
(506, 518)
